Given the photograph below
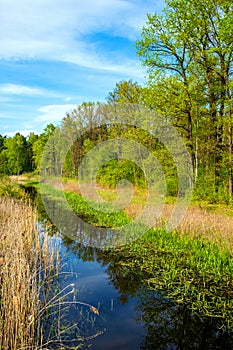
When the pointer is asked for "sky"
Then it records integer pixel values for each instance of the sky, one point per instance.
(56, 54)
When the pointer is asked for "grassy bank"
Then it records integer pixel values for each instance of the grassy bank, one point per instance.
(193, 265)
(188, 271)
(97, 214)
(209, 222)
(23, 262)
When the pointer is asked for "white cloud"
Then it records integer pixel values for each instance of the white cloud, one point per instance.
(54, 113)
(17, 89)
(68, 99)
(57, 29)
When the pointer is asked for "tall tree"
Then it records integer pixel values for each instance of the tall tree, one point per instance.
(192, 40)
(16, 153)
(38, 146)
(126, 92)
(31, 139)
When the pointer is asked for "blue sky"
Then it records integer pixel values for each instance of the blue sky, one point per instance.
(56, 54)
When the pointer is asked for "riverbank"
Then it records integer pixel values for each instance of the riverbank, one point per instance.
(192, 265)
(210, 222)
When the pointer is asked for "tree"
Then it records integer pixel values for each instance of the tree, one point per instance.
(1, 143)
(38, 146)
(31, 139)
(16, 155)
(126, 91)
(192, 42)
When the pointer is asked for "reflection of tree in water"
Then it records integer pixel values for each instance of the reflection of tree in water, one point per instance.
(43, 217)
(168, 325)
(172, 326)
(125, 279)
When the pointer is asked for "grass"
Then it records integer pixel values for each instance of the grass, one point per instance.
(193, 265)
(23, 258)
(211, 222)
(185, 270)
(97, 214)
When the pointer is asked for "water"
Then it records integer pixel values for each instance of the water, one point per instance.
(117, 316)
(131, 316)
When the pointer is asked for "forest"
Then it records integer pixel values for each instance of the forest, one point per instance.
(187, 52)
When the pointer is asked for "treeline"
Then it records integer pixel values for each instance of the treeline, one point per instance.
(16, 154)
(188, 50)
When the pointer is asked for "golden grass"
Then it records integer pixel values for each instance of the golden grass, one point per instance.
(199, 222)
(213, 226)
(22, 258)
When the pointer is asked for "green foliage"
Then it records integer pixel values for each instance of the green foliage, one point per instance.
(188, 271)
(114, 171)
(15, 155)
(126, 91)
(9, 188)
(91, 212)
(189, 58)
(96, 216)
(38, 145)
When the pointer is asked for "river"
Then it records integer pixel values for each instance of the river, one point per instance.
(113, 308)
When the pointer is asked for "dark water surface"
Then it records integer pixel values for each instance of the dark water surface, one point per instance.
(131, 316)
(117, 318)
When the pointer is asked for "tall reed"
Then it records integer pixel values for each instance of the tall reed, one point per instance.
(22, 259)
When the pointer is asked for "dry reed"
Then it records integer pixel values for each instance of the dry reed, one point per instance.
(22, 258)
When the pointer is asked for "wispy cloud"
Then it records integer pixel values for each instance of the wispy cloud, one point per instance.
(57, 29)
(17, 89)
(54, 53)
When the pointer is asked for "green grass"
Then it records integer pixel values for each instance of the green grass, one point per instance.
(188, 271)
(91, 212)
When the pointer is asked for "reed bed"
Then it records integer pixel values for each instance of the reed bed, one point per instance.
(22, 259)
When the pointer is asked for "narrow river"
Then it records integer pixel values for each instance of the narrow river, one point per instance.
(112, 308)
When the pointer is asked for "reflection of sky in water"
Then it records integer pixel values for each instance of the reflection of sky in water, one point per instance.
(93, 287)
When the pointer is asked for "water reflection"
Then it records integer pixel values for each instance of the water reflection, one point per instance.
(172, 326)
(168, 325)
(135, 317)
